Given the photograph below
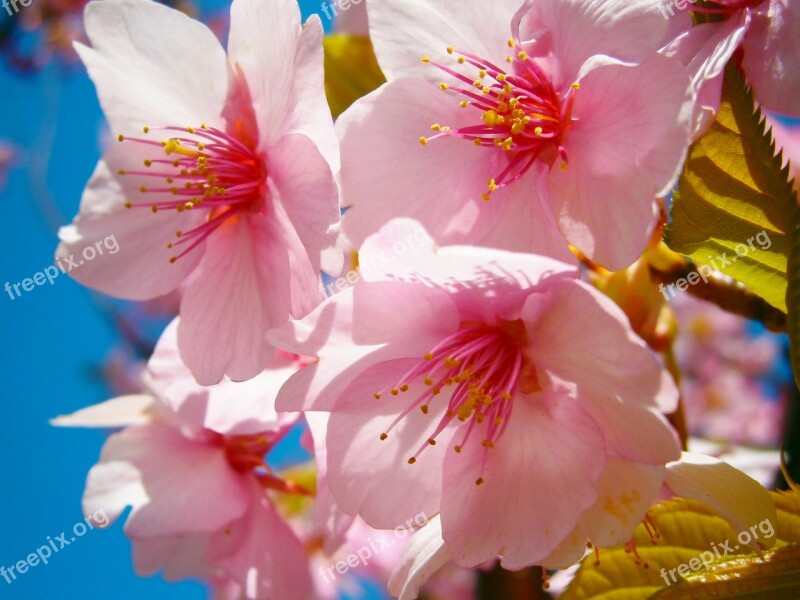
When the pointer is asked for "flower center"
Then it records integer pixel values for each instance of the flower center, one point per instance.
(202, 168)
(246, 454)
(521, 111)
(484, 365)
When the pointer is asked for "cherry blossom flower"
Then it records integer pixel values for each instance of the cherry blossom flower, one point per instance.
(482, 382)
(561, 113)
(222, 181)
(191, 462)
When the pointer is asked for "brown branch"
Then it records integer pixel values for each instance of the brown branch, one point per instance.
(725, 292)
(499, 584)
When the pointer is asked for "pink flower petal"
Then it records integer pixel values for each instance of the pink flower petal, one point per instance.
(139, 269)
(626, 147)
(387, 173)
(282, 64)
(425, 554)
(306, 189)
(405, 30)
(145, 77)
(705, 49)
(117, 412)
(616, 363)
(738, 498)
(771, 48)
(580, 29)
(350, 332)
(539, 478)
(370, 476)
(262, 553)
(232, 299)
(175, 485)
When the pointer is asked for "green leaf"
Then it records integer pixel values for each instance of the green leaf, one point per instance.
(732, 189)
(686, 529)
(351, 70)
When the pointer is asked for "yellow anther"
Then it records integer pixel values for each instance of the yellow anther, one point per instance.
(148, 162)
(461, 60)
(576, 86)
(486, 197)
(522, 55)
(509, 59)
(477, 142)
(426, 60)
(120, 138)
(492, 185)
(491, 118)
(450, 49)
(481, 73)
(428, 356)
(190, 129)
(436, 127)
(146, 129)
(444, 86)
(538, 131)
(423, 140)
(501, 77)
(486, 90)
(511, 43)
(427, 381)
(463, 104)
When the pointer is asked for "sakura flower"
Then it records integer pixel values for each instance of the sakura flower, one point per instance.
(496, 371)
(198, 484)
(559, 113)
(222, 183)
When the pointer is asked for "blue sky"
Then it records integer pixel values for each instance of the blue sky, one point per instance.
(52, 337)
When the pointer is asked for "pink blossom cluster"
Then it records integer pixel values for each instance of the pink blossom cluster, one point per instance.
(731, 389)
(471, 377)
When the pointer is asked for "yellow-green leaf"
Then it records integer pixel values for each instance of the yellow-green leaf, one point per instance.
(732, 189)
(351, 70)
(686, 530)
